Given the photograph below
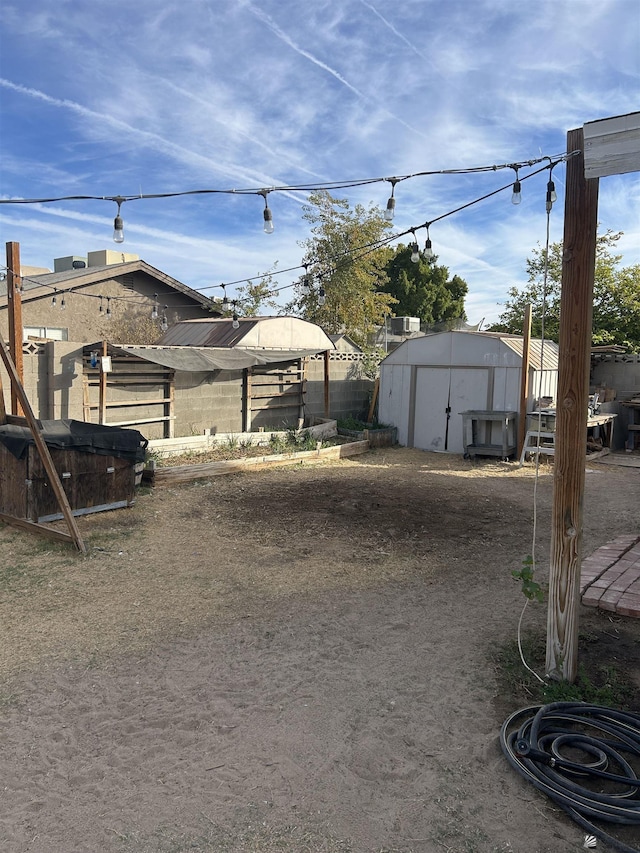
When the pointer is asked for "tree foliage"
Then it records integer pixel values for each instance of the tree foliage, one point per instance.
(253, 297)
(424, 289)
(343, 261)
(616, 297)
(132, 327)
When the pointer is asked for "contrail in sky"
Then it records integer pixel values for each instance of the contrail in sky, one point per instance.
(275, 29)
(152, 139)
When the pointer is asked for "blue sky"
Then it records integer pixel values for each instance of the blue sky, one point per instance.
(105, 99)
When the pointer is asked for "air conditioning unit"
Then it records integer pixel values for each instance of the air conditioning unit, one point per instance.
(404, 325)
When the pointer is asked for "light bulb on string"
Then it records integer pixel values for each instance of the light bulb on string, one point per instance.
(54, 300)
(428, 254)
(235, 323)
(225, 300)
(415, 250)
(552, 195)
(321, 297)
(63, 303)
(100, 308)
(516, 195)
(154, 310)
(118, 223)
(266, 213)
(108, 314)
(164, 324)
(305, 285)
(391, 202)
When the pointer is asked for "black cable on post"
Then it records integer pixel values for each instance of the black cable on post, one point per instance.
(586, 758)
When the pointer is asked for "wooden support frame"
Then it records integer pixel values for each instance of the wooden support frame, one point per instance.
(74, 534)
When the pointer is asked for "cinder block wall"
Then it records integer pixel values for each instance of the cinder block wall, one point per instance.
(349, 392)
(212, 401)
(35, 380)
(208, 401)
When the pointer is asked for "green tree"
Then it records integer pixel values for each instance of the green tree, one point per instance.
(424, 289)
(250, 299)
(254, 297)
(616, 297)
(346, 266)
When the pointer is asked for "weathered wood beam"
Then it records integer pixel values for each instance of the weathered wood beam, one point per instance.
(576, 309)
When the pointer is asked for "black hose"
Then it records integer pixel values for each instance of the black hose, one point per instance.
(600, 784)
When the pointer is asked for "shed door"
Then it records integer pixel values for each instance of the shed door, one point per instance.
(439, 388)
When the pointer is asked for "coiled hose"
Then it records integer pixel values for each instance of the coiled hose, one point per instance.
(586, 759)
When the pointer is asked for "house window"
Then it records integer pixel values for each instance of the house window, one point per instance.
(45, 332)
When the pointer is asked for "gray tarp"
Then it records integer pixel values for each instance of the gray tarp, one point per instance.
(205, 359)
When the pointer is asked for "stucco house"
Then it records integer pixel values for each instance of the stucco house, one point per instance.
(84, 294)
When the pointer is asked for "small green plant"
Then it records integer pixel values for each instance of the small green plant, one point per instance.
(530, 587)
(277, 443)
(232, 442)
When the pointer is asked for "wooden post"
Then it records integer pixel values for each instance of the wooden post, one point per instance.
(524, 379)
(3, 411)
(14, 306)
(327, 356)
(102, 401)
(576, 308)
(43, 450)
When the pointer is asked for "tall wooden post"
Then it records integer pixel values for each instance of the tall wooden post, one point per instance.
(327, 357)
(576, 308)
(14, 306)
(102, 388)
(524, 379)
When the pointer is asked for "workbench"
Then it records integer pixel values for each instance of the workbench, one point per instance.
(543, 440)
(478, 428)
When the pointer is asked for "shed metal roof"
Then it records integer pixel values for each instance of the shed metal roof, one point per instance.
(283, 334)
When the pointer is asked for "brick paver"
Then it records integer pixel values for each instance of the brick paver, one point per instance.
(610, 577)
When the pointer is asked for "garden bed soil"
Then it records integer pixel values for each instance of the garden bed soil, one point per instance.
(299, 659)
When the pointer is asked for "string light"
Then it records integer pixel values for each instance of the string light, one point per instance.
(428, 254)
(552, 196)
(391, 203)
(63, 303)
(236, 323)
(322, 298)
(118, 224)
(54, 300)
(164, 325)
(305, 287)
(415, 251)
(108, 311)
(225, 301)
(516, 195)
(154, 310)
(266, 213)
(361, 249)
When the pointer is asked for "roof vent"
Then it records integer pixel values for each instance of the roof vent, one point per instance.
(78, 265)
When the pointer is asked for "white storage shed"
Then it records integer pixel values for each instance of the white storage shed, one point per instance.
(428, 382)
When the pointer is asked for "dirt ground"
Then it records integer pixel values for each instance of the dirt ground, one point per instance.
(299, 659)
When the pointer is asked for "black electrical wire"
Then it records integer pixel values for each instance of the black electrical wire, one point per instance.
(536, 742)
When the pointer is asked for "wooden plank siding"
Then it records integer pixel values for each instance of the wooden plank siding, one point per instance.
(135, 391)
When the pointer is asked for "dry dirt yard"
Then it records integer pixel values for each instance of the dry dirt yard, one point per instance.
(299, 659)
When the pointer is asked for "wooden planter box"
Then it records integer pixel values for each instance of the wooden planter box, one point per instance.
(385, 437)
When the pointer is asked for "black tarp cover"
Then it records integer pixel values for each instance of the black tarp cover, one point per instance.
(77, 435)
